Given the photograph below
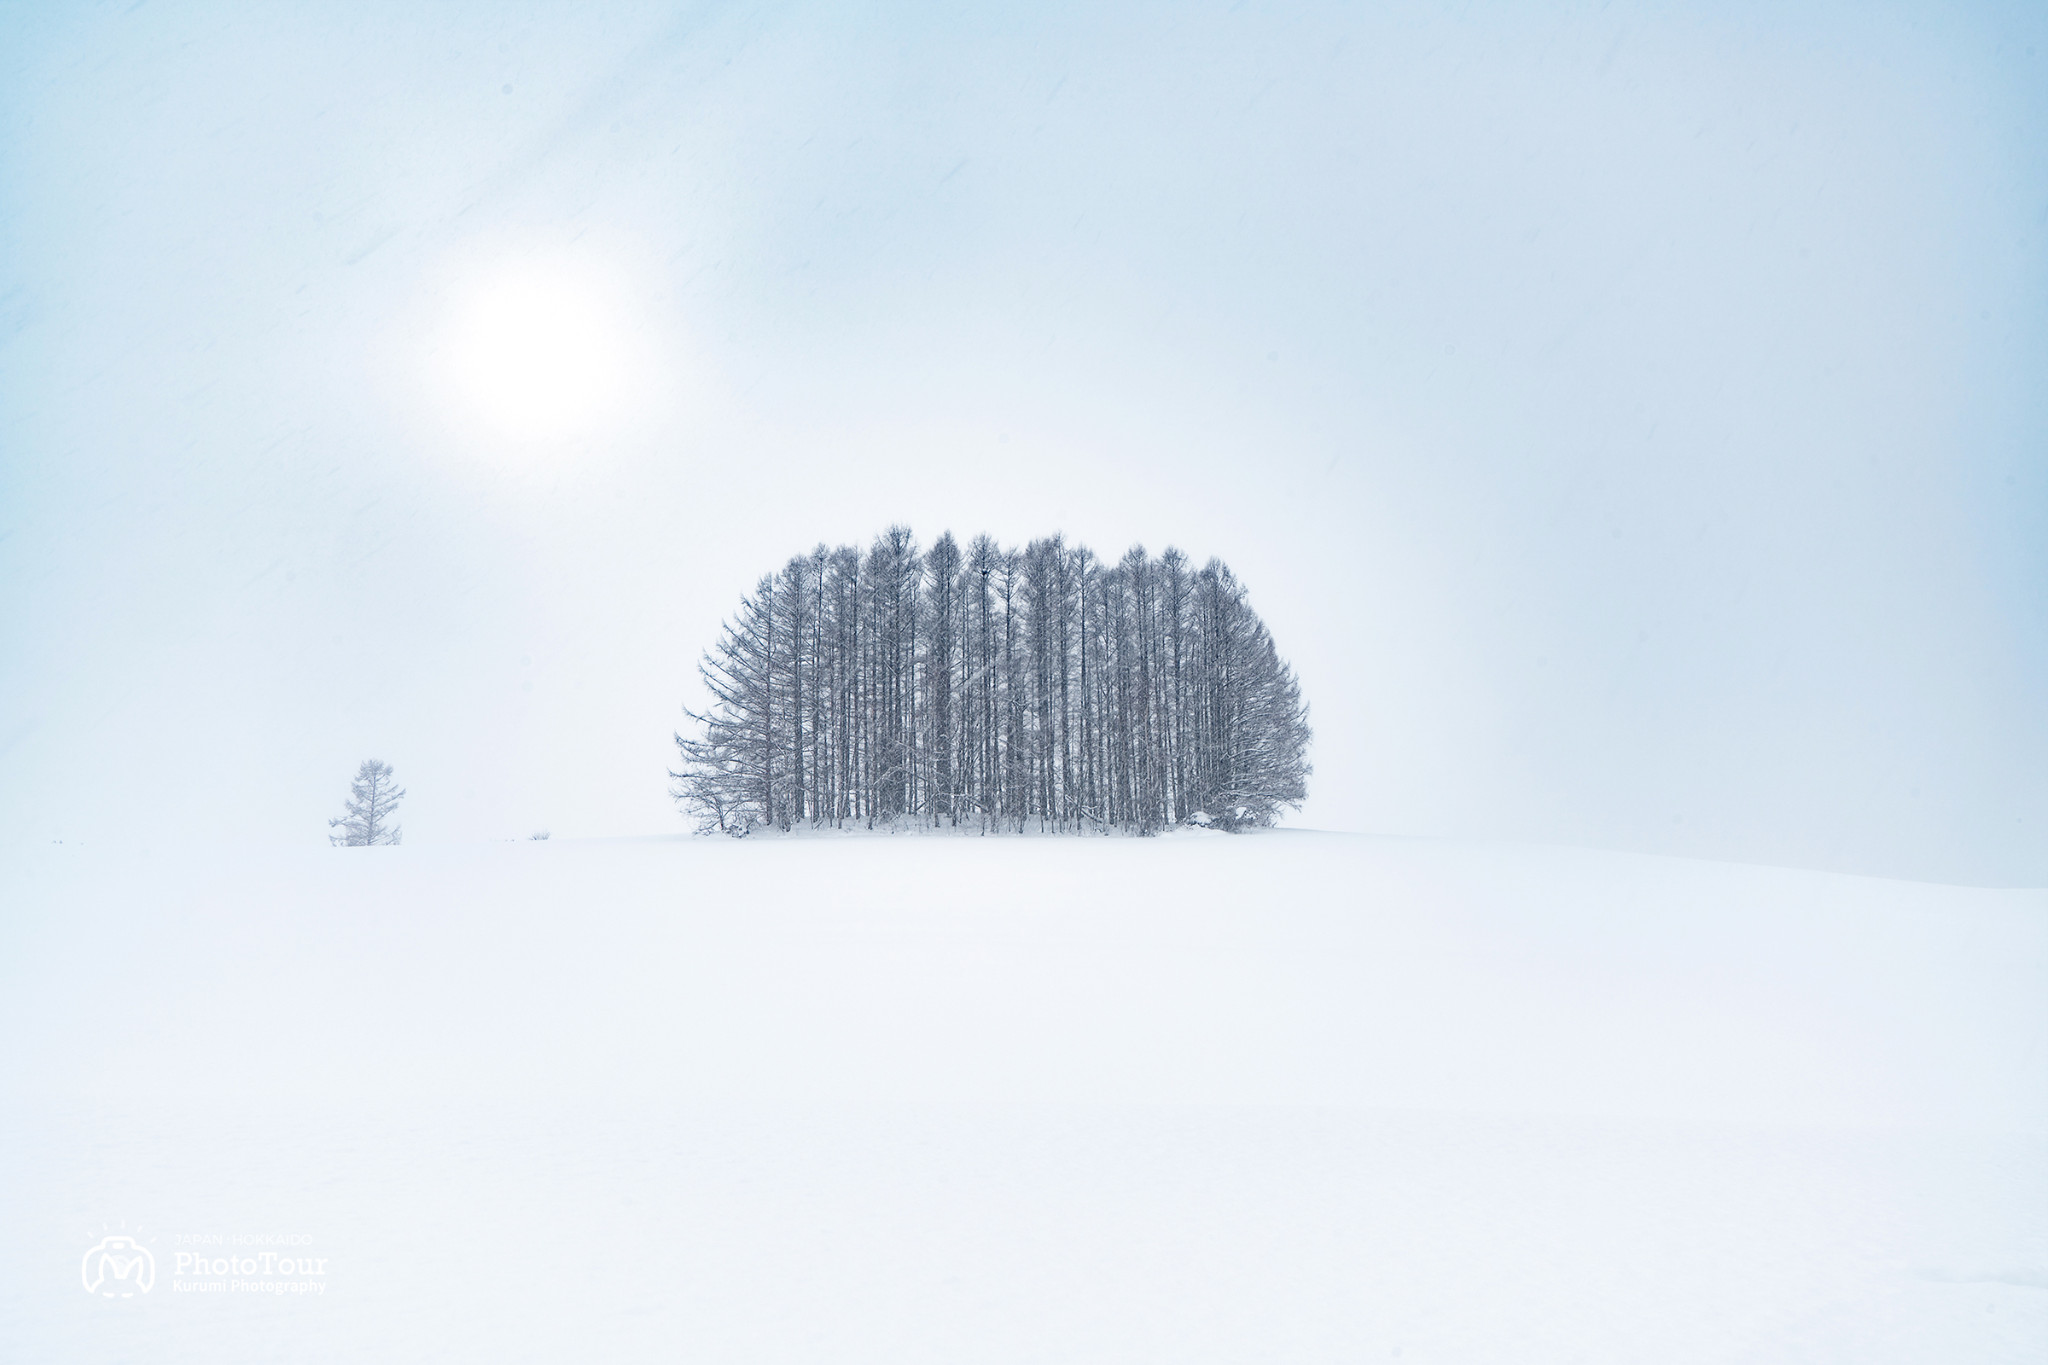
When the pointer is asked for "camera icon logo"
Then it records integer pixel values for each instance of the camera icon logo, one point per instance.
(119, 1267)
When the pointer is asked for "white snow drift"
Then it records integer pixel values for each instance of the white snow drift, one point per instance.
(1280, 1097)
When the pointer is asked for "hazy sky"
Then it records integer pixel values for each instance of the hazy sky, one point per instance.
(1632, 422)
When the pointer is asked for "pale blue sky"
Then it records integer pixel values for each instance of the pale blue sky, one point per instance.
(1633, 421)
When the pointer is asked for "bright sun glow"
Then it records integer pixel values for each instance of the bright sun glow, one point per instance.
(538, 355)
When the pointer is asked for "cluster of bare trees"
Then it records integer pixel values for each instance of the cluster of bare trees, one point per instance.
(995, 688)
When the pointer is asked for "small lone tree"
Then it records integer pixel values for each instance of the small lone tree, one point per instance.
(373, 798)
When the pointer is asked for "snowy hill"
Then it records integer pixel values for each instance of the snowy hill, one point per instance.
(1284, 1096)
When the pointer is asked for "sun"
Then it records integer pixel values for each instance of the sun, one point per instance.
(538, 353)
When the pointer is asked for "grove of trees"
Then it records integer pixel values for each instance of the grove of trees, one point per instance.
(997, 689)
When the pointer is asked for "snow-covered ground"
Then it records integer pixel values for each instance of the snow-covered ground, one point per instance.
(1285, 1096)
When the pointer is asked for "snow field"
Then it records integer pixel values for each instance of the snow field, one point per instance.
(1282, 1096)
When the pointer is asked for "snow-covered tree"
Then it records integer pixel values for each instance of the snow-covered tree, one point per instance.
(998, 688)
(373, 800)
